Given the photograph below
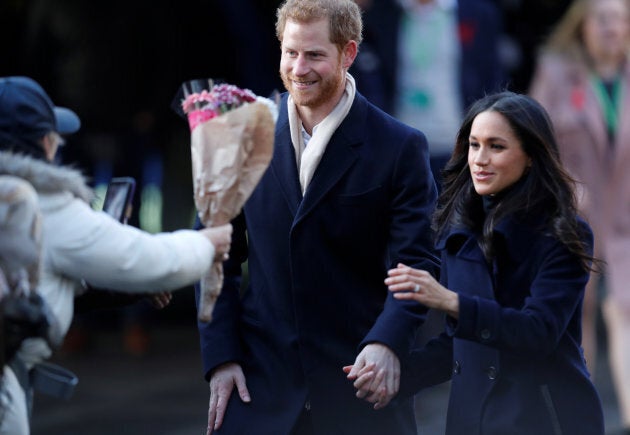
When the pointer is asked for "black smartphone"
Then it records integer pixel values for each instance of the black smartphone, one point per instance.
(119, 197)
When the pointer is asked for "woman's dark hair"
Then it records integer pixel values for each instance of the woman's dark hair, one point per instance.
(22, 146)
(546, 188)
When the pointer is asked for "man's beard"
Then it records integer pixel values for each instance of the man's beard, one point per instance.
(328, 88)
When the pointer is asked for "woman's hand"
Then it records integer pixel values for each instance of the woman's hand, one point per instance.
(160, 300)
(408, 283)
(221, 239)
(376, 374)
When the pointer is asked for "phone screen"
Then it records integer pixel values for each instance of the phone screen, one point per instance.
(118, 198)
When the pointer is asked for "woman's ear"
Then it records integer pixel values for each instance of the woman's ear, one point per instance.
(50, 145)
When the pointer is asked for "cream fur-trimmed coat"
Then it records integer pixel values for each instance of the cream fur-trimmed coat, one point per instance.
(562, 86)
(80, 243)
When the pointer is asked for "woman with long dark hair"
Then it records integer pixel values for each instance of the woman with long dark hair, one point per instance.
(516, 258)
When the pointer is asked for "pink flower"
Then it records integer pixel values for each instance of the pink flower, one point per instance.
(220, 99)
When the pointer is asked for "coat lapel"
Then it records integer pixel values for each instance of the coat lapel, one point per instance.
(283, 165)
(339, 156)
(337, 159)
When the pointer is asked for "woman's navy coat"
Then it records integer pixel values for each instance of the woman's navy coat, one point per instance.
(514, 355)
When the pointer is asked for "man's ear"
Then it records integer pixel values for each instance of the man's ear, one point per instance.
(349, 53)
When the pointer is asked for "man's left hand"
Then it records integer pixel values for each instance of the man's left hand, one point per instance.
(376, 373)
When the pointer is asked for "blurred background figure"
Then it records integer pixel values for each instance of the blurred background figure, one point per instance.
(22, 312)
(582, 80)
(247, 23)
(526, 25)
(425, 61)
(20, 234)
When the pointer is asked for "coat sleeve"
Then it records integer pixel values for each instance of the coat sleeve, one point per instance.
(427, 366)
(430, 364)
(220, 338)
(111, 255)
(410, 242)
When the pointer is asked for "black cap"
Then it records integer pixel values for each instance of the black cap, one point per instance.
(27, 113)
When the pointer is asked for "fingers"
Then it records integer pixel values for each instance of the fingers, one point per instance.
(221, 394)
(358, 373)
(222, 400)
(355, 368)
(380, 396)
(221, 385)
(393, 381)
(161, 300)
(243, 392)
(383, 401)
(377, 381)
(365, 379)
(370, 383)
(166, 298)
(221, 239)
(387, 389)
(407, 279)
(212, 411)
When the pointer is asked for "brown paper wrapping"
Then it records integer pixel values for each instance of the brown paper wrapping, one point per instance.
(230, 153)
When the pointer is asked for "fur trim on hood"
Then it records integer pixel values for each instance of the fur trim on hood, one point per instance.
(45, 177)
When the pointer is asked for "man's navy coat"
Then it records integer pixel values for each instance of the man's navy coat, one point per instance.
(316, 267)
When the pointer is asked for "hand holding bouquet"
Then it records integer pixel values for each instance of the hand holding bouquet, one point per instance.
(232, 134)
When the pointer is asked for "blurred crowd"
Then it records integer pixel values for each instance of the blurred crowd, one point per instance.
(122, 81)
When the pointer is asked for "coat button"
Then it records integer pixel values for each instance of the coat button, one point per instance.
(307, 405)
(457, 367)
(491, 372)
(485, 334)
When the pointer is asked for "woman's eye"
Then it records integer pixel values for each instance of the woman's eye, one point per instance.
(473, 145)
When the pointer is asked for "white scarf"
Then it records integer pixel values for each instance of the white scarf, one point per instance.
(308, 158)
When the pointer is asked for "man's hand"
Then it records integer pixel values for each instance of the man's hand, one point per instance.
(376, 373)
(222, 382)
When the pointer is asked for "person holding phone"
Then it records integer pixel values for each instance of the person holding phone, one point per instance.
(119, 198)
(80, 243)
(118, 204)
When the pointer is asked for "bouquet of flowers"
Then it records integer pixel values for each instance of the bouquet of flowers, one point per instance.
(232, 135)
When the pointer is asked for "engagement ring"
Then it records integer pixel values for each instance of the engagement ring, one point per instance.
(416, 288)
